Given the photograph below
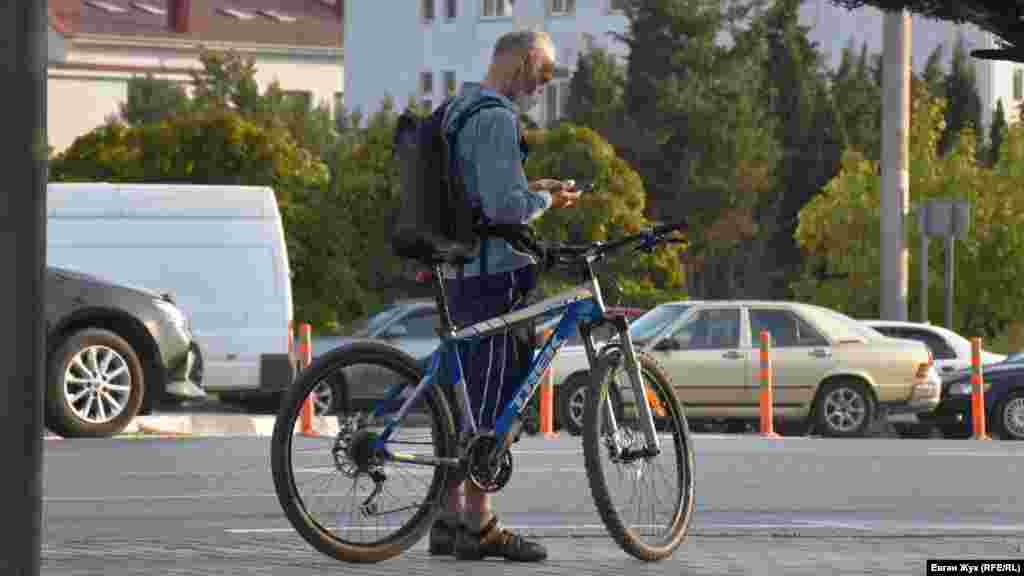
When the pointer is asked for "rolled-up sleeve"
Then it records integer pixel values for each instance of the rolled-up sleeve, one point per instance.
(493, 166)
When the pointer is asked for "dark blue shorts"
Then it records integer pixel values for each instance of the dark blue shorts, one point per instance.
(493, 366)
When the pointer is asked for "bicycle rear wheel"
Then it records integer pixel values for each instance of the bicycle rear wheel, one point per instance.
(658, 537)
(339, 451)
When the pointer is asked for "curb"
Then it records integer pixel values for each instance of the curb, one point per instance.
(210, 425)
(204, 425)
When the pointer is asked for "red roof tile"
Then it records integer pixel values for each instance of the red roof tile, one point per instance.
(316, 22)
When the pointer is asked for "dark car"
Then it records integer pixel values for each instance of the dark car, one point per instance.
(1004, 403)
(112, 351)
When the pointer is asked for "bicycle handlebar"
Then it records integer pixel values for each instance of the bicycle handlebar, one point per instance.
(648, 239)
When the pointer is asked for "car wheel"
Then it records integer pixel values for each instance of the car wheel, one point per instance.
(1009, 417)
(571, 399)
(327, 395)
(95, 385)
(844, 409)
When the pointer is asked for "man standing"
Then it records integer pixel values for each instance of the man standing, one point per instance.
(488, 155)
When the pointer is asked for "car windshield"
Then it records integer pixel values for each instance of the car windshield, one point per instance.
(650, 324)
(372, 324)
(1014, 358)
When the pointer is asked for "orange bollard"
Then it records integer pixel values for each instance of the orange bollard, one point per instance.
(547, 401)
(306, 350)
(767, 426)
(977, 393)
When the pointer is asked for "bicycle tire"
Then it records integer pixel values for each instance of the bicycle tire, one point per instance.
(284, 480)
(627, 538)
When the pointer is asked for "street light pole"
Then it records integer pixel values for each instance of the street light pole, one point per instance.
(23, 149)
(895, 194)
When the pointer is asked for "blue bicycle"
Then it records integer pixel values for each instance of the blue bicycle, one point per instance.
(406, 429)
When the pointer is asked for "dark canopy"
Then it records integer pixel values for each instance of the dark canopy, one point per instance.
(1001, 17)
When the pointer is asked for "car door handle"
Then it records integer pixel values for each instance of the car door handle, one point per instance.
(732, 355)
(948, 368)
(819, 353)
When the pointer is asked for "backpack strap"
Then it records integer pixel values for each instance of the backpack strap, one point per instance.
(458, 123)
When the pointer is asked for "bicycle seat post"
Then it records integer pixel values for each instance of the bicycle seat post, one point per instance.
(441, 297)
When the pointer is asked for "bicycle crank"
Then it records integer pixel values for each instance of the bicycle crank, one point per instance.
(489, 474)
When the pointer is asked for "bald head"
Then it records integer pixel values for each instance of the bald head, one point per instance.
(522, 63)
(520, 42)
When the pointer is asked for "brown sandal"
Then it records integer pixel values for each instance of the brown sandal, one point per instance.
(496, 541)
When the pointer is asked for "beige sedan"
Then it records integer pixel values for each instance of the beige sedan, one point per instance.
(829, 370)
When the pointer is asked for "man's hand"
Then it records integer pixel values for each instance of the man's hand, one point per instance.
(548, 184)
(564, 197)
(563, 194)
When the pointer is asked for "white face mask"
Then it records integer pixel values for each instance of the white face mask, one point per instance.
(526, 102)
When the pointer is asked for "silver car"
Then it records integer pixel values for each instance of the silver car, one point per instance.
(410, 325)
(829, 369)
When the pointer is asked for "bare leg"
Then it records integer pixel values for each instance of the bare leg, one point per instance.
(477, 511)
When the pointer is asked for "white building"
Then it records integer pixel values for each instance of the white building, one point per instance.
(427, 48)
(96, 46)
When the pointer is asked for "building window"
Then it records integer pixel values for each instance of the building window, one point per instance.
(451, 9)
(559, 7)
(449, 82)
(1018, 84)
(556, 101)
(427, 90)
(427, 8)
(497, 8)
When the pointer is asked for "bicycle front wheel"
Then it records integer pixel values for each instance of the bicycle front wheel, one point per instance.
(338, 494)
(650, 530)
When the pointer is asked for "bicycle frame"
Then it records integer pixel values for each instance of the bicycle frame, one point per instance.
(581, 307)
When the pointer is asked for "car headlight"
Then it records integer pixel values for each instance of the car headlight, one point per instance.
(173, 313)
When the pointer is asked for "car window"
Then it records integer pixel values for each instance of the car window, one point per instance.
(941, 350)
(786, 329)
(710, 330)
(421, 324)
(655, 320)
(373, 324)
(840, 326)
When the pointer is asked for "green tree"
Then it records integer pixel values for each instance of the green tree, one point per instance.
(840, 228)
(997, 133)
(934, 74)
(595, 91)
(707, 149)
(227, 79)
(152, 99)
(858, 102)
(794, 90)
(963, 102)
(312, 126)
(614, 208)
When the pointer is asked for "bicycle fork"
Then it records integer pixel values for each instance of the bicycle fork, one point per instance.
(632, 366)
(639, 394)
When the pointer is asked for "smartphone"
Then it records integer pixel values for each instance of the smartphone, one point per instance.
(585, 186)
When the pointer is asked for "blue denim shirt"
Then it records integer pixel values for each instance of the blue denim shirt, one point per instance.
(487, 150)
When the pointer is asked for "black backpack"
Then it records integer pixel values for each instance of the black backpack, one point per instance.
(435, 219)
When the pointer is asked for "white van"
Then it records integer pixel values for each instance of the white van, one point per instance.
(219, 250)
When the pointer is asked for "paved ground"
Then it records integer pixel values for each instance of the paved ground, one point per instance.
(790, 506)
